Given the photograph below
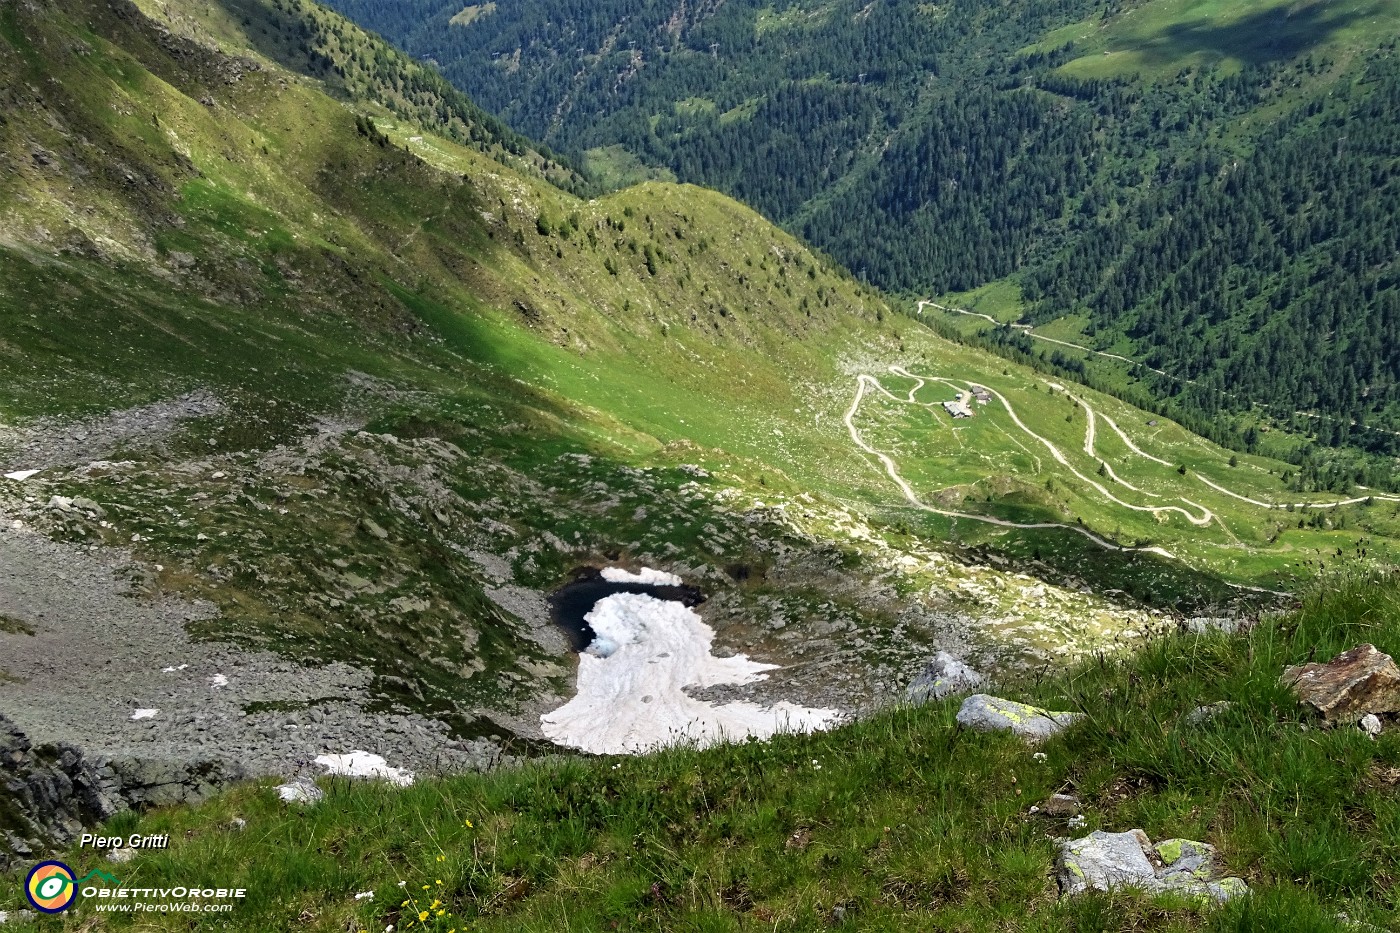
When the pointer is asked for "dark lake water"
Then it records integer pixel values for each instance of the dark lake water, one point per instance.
(575, 599)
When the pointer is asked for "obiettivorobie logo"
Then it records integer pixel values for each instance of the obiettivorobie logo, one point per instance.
(52, 888)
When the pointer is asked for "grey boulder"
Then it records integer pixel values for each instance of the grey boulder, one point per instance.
(1104, 861)
(944, 676)
(983, 713)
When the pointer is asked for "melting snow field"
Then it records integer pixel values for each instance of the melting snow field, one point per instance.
(645, 575)
(363, 764)
(631, 684)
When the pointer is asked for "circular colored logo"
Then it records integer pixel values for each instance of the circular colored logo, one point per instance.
(50, 887)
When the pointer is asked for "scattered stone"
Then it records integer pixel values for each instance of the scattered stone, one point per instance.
(301, 791)
(1206, 713)
(84, 504)
(984, 713)
(1370, 724)
(122, 855)
(944, 676)
(1060, 805)
(1104, 861)
(373, 528)
(1362, 680)
(144, 714)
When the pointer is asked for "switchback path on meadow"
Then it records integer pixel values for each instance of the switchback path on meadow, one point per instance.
(1199, 520)
(864, 382)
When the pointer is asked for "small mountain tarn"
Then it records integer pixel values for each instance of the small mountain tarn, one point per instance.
(570, 603)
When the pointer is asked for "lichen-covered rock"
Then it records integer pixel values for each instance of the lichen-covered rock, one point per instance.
(1104, 861)
(1354, 683)
(984, 713)
(944, 676)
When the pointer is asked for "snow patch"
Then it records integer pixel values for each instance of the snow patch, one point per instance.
(646, 575)
(632, 681)
(363, 764)
(217, 681)
(20, 476)
(145, 714)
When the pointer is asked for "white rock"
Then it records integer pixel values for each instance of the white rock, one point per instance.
(217, 681)
(20, 476)
(300, 791)
(145, 714)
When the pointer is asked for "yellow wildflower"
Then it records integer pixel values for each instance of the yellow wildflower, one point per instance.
(468, 823)
(422, 916)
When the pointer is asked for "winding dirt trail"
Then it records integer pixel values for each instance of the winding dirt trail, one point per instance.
(1026, 329)
(865, 382)
(1295, 505)
(1199, 520)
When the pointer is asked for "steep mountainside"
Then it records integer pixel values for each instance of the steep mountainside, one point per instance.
(1208, 188)
(351, 383)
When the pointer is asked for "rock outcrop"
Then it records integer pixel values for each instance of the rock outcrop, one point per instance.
(51, 794)
(984, 713)
(1354, 683)
(944, 676)
(1104, 861)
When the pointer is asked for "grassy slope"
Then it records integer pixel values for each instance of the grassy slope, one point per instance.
(898, 823)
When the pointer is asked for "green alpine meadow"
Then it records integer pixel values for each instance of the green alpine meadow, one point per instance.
(622, 466)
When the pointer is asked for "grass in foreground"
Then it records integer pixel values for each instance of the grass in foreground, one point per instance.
(901, 822)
